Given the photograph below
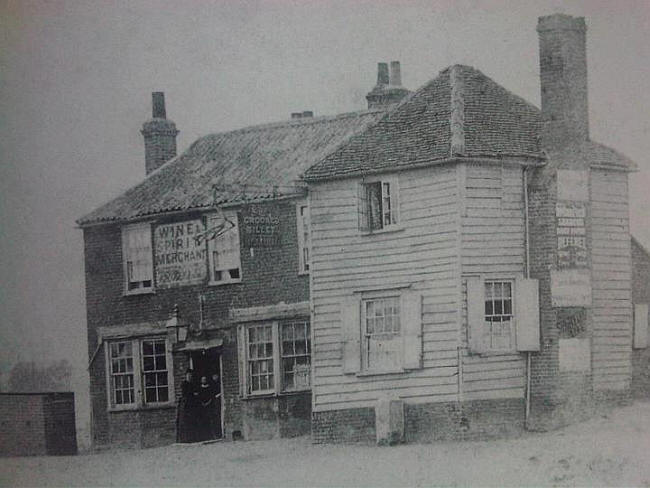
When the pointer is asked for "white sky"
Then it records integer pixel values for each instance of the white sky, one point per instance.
(76, 81)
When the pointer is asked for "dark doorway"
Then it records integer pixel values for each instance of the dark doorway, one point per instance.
(206, 364)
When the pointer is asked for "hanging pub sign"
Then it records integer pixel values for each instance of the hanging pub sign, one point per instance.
(261, 227)
(180, 258)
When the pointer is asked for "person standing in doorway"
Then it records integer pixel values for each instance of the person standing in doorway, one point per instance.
(216, 409)
(186, 410)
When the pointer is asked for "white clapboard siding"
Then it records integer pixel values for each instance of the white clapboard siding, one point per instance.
(612, 306)
(421, 255)
(492, 246)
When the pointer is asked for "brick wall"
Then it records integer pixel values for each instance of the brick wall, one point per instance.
(479, 419)
(349, 425)
(640, 294)
(269, 276)
(427, 422)
(37, 424)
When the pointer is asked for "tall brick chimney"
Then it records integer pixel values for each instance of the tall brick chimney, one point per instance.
(389, 90)
(563, 71)
(159, 135)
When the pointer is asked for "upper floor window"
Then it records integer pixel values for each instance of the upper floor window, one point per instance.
(378, 205)
(138, 372)
(225, 264)
(138, 258)
(304, 240)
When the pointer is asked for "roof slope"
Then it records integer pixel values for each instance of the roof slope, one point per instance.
(462, 112)
(244, 164)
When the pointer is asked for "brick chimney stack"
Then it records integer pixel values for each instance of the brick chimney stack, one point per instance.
(159, 135)
(389, 90)
(563, 72)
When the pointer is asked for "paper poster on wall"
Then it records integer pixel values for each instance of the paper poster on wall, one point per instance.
(575, 355)
(571, 287)
(180, 259)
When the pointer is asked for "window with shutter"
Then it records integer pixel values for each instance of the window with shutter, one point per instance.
(378, 205)
(502, 315)
(138, 258)
(382, 332)
(225, 265)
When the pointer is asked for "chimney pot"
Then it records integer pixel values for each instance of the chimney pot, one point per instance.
(382, 74)
(395, 74)
(158, 105)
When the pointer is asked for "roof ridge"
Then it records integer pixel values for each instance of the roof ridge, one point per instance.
(457, 112)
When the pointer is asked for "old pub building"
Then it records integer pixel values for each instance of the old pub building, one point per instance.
(450, 263)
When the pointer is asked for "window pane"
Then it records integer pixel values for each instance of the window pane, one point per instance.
(147, 347)
(148, 363)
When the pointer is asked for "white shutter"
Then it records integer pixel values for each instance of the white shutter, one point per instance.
(224, 248)
(412, 330)
(640, 325)
(351, 334)
(476, 315)
(527, 314)
(138, 252)
(242, 361)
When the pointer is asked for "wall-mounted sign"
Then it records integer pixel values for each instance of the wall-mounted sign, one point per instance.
(571, 235)
(261, 227)
(571, 287)
(573, 185)
(180, 258)
(575, 355)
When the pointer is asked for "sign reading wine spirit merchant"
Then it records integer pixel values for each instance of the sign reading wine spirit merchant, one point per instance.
(180, 258)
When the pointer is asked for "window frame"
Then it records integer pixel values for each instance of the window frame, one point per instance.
(304, 243)
(365, 368)
(365, 206)
(489, 335)
(125, 229)
(308, 347)
(232, 216)
(138, 373)
(278, 387)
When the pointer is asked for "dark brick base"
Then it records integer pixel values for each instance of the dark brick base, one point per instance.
(350, 425)
(480, 419)
(427, 422)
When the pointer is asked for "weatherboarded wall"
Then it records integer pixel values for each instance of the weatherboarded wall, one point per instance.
(454, 221)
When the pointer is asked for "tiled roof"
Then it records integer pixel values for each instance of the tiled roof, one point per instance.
(244, 164)
(460, 113)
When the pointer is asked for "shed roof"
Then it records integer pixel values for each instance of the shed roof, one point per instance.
(243, 165)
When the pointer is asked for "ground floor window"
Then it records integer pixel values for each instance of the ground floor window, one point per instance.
(277, 356)
(139, 372)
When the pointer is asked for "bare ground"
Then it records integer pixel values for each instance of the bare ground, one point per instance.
(611, 450)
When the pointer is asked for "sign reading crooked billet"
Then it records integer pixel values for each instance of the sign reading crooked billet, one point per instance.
(571, 287)
(261, 227)
(180, 259)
